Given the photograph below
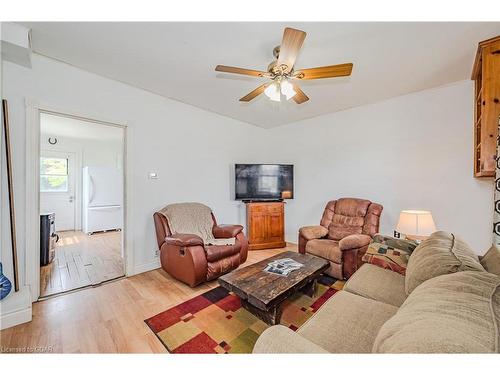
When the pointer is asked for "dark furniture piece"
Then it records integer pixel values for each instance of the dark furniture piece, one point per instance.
(345, 230)
(186, 258)
(265, 225)
(262, 293)
(48, 238)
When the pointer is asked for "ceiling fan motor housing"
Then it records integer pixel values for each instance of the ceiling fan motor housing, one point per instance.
(271, 68)
(276, 52)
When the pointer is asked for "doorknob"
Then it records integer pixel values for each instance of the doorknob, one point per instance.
(71, 198)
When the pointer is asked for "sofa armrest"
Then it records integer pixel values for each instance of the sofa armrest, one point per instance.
(280, 339)
(397, 243)
(354, 241)
(313, 232)
(226, 230)
(181, 239)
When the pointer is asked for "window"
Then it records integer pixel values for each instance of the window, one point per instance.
(53, 175)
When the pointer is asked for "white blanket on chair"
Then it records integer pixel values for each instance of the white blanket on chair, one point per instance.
(193, 218)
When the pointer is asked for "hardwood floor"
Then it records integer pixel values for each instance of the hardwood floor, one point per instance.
(82, 260)
(110, 318)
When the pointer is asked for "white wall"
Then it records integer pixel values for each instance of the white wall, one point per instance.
(93, 152)
(413, 151)
(191, 150)
(98, 144)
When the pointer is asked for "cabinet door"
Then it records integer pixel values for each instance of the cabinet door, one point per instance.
(258, 224)
(275, 224)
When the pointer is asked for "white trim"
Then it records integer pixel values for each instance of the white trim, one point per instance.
(147, 266)
(128, 237)
(33, 110)
(16, 309)
(32, 254)
(15, 318)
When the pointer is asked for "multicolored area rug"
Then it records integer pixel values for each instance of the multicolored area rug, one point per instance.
(215, 321)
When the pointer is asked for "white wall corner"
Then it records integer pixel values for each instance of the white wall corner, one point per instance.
(16, 309)
(16, 44)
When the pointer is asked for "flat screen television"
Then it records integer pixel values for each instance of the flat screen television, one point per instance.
(263, 181)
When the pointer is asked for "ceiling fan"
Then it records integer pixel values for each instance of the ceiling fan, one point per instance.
(282, 74)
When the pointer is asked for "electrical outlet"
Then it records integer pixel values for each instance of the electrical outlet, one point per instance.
(157, 253)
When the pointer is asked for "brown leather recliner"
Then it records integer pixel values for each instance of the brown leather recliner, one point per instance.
(186, 258)
(346, 229)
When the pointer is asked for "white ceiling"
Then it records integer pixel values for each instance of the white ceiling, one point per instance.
(177, 60)
(53, 125)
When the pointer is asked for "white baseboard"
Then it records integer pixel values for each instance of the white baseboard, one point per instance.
(147, 267)
(16, 317)
(16, 309)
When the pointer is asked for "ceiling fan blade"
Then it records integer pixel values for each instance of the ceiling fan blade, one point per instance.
(299, 97)
(253, 94)
(290, 47)
(330, 71)
(246, 72)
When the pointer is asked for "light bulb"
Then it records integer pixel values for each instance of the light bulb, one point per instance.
(272, 91)
(287, 89)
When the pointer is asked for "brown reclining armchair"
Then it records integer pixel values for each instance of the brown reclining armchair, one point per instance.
(185, 257)
(346, 229)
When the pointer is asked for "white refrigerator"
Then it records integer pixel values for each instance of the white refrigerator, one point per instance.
(102, 199)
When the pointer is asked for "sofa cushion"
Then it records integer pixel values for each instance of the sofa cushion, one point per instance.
(326, 249)
(280, 339)
(442, 253)
(454, 313)
(313, 232)
(378, 284)
(347, 323)
(491, 260)
(387, 257)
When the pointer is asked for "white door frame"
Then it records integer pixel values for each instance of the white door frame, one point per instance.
(77, 166)
(32, 234)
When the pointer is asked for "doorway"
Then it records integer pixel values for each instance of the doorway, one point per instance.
(81, 178)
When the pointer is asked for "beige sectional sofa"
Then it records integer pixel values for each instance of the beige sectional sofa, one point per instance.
(448, 302)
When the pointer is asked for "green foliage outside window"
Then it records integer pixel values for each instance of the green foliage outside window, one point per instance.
(53, 175)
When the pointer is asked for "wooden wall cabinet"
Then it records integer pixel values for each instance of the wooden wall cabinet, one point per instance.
(486, 75)
(265, 225)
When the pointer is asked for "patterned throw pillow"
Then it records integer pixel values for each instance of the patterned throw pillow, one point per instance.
(388, 257)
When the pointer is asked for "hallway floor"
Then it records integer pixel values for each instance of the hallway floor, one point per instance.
(81, 261)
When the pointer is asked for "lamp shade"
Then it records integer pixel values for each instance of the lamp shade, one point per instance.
(416, 224)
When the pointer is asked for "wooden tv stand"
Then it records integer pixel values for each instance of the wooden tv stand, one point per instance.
(265, 225)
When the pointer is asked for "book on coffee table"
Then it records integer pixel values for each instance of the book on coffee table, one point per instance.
(283, 266)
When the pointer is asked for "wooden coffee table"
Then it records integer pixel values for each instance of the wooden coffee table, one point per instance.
(262, 293)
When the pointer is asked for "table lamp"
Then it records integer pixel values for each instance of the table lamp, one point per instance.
(415, 224)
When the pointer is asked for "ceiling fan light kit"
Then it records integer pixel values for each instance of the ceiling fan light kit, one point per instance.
(287, 89)
(280, 86)
(272, 92)
(281, 71)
